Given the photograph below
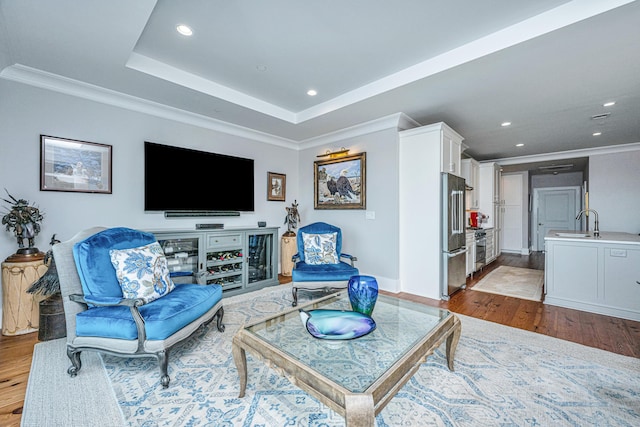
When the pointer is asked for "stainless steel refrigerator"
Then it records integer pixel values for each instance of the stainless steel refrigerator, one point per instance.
(453, 241)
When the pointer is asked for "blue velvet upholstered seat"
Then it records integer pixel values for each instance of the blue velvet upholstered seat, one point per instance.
(98, 315)
(162, 318)
(318, 265)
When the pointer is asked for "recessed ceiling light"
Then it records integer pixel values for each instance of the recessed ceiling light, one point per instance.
(504, 124)
(312, 92)
(608, 104)
(520, 145)
(597, 133)
(184, 30)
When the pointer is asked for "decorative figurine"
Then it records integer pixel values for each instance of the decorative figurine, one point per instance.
(292, 219)
(24, 221)
(49, 283)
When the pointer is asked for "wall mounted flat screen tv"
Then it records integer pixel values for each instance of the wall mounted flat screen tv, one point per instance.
(181, 179)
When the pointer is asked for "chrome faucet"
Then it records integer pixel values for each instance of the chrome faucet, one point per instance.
(596, 230)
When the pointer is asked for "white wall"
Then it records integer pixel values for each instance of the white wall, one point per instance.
(614, 190)
(27, 112)
(374, 242)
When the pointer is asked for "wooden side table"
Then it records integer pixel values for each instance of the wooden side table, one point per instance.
(287, 250)
(20, 310)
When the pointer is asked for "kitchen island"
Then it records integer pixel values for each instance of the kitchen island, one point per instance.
(595, 274)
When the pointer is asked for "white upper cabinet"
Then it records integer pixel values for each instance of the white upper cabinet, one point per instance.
(469, 169)
(490, 204)
(450, 151)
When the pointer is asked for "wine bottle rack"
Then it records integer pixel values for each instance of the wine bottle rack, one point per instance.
(240, 259)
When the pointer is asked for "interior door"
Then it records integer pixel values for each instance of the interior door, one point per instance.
(556, 209)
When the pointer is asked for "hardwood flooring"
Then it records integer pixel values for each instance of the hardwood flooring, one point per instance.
(604, 332)
(594, 330)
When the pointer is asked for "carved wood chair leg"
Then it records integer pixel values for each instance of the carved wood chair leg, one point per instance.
(76, 363)
(163, 361)
(219, 323)
(294, 292)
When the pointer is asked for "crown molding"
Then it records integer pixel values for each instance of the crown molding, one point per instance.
(559, 155)
(56, 83)
(397, 121)
(45, 80)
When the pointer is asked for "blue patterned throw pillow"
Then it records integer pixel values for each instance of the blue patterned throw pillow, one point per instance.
(142, 272)
(320, 248)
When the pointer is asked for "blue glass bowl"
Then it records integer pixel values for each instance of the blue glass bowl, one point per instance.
(336, 324)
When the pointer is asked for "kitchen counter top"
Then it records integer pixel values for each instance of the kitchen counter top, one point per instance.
(587, 236)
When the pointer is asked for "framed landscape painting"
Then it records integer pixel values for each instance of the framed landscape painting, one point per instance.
(76, 166)
(340, 183)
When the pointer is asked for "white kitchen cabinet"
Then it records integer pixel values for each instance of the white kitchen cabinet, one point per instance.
(469, 169)
(471, 252)
(489, 197)
(622, 277)
(594, 275)
(511, 213)
(421, 158)
(489, 175)
(572, 272)
(450, 151)
(491, 245)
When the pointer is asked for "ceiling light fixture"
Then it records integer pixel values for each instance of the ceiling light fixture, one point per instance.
(505, 124)
(184, 30)
(597, 133)
(312, 92)
(609, 104)
(600, 116)
(520, 145)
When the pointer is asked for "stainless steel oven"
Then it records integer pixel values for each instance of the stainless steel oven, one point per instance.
(481, 249)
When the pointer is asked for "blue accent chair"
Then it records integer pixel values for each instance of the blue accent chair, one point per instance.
(99, 318)
(325, 277)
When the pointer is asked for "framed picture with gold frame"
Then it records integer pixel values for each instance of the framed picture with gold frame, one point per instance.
(340, 183)
(276, 186)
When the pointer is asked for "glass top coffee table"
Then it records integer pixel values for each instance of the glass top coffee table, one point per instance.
(358, 377)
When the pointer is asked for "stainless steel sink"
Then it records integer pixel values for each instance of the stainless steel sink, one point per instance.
(573, 235)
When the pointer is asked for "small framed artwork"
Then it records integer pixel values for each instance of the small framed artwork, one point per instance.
(276, 186)
(340, 183)
(76, 166)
